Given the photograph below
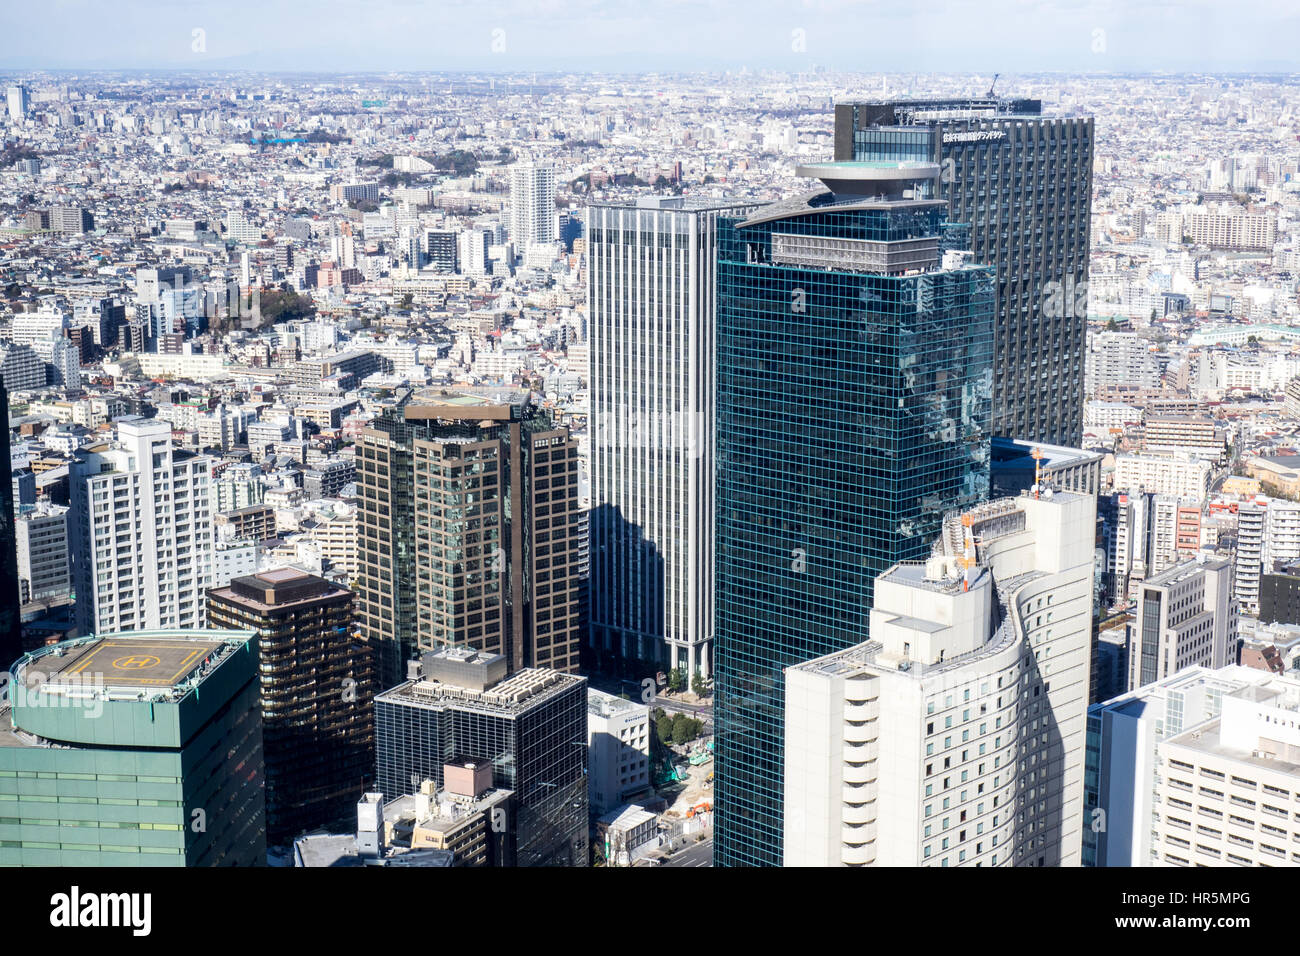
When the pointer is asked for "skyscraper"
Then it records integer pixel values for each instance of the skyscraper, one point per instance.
(11, 625)
(854, 354)
(317, 688)
(142, 554)
(652, 275)
(469, 530)
(955, 736)
(139, 749)
(1023, 182)
(18, 101)
(532, 204)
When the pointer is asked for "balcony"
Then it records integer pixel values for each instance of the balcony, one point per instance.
(860, 773)
(858, 855)
(852, 834)
(861, 751)
(854, 815)
(864, 710)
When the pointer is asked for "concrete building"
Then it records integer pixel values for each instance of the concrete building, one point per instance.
(1126, 769)
(618, 750)
(1186, 617)
(14, 487)
(41, 536)
(143, 532)
(21, 368)
(1015, 465)
(1196, 435)
(1180, 476)
(1119, 358)
(18, 99)
(1227, 787)
(955, 736)
(627, 833)
(139, 749)
(1252, 520)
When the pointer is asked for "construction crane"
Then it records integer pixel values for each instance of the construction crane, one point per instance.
(993, 84)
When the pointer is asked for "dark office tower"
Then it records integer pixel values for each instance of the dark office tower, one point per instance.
(1023, 181)
(652, 272)
(530, 727)
(317, 685)
(854, 358)
(441, 249)
(11, 624)
(469, 532)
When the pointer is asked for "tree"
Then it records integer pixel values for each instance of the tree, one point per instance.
(698, 685)
(664, 729)
(675, 680)
(1111, 324)
(681, 729)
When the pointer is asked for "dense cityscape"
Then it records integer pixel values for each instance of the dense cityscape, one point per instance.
(725, 469)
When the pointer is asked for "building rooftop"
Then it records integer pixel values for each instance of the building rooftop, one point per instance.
(132, 665)
(602, 704)
(1181, 572)
(520, 692)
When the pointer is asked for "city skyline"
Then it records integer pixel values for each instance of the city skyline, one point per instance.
(835, 435)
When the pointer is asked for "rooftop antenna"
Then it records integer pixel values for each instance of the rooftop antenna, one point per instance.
(968, 549)
(989, 94)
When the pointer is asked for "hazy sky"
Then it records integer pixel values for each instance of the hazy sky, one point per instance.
(638, 35)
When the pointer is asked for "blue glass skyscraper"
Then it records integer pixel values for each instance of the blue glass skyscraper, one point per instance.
(854, 383)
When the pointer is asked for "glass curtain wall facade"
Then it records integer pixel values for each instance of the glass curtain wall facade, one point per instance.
(537, 749)
(852, 412)
(1023, 181)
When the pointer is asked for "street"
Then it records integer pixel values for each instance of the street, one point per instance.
(695, 854)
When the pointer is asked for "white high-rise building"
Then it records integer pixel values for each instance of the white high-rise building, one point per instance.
(1186, 617)
(1121, 812)
(1281, 533)
(1251, 522)
(473, 251)
(650, 272)
(19, 101)
(142, 554)
(955, 736)
(1131, 556)
(532, 204)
